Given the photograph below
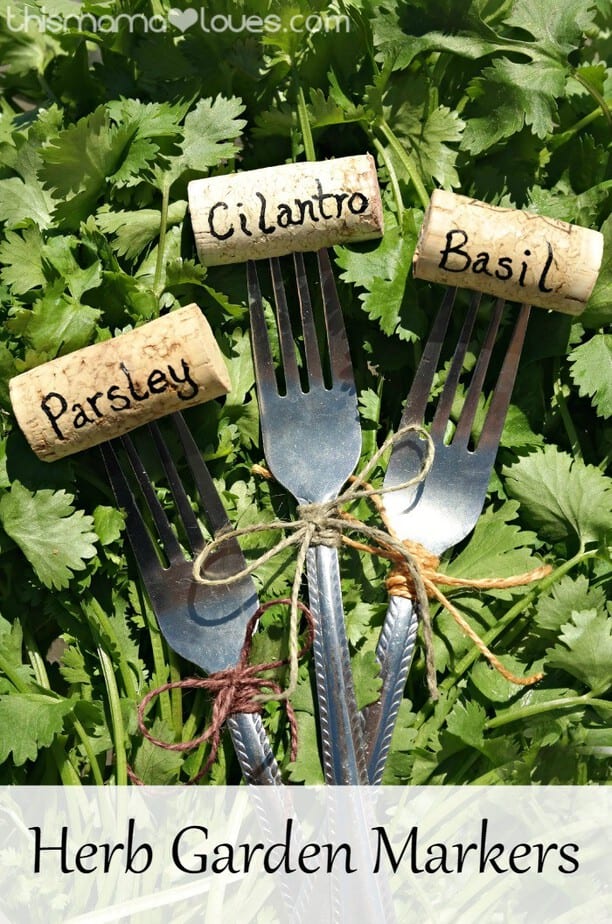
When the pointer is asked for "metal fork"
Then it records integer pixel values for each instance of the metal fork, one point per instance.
(312, 442)
(203, 623)
(440, 511)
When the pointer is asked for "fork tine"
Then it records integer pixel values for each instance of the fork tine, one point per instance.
(183, 505)
(311, 346)
(285, 334)
(262, 354)
(445, 404)
(418, 396)
(211, 502)
(135, 525)
(339, 353)
(169, 541)
(494, 423)
(470, 405)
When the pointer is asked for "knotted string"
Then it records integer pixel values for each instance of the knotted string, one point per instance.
(415, 573)
(400, 583)
(238, 689)
(324, 524)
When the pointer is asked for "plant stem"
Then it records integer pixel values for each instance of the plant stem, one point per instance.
(36, 660)
(397, 195)
(11, 674)
(602, 102)
(557, 141)
(304, 121)
(161, 668)
(514, 612)
(405, 159)
(566, 418)
(114, 703)
(451, 686)
(42, 679)
(93, 608)
(89, 752)
(194, 718)
(568, 702)
(163, 230)
(67, 772)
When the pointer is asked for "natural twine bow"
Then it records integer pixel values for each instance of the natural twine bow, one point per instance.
(415, 573)
(238, 689)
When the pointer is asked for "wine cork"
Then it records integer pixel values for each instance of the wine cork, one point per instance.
(514, 254)
(110, 388)
(279, 210)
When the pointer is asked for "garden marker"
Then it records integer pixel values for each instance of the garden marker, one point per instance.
(510, 253)
(279, 210)
(107, 389)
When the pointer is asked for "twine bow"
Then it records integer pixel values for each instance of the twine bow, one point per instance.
(415, 572)
(235, 689)
(323, 524)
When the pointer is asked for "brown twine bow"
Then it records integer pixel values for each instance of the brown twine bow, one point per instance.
(415, 572)
(234, 689)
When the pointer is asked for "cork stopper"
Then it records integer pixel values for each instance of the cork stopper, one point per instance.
(107, 389)
(280, 210)
(514, 254)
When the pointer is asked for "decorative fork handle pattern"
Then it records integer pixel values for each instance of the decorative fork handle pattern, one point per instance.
(253, 751)
(394, 653)
(344, 757)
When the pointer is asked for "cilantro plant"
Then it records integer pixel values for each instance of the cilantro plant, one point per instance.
(509, 101)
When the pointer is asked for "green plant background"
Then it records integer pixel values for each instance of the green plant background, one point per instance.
(505, 100)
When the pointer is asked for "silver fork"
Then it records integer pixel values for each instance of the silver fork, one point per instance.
(440, 511)
(312, 442)
(203, 623)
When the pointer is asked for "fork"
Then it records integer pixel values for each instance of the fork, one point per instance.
(203, 623)
(292, 421)
(443, 509)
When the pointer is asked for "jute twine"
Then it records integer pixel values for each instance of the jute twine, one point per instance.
(415, 573)
(235, 689)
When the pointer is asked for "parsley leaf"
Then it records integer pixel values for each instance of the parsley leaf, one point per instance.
(591, 370)
(383, 272)
(77, 163)
(54, 537)
(561, 497)
(21, 256)
(28, 722)
(497, 548)
(585, 649)
(566, 597)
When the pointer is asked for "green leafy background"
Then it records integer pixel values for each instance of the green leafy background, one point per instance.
(505, 100)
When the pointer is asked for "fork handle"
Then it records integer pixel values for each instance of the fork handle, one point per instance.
(253, 750)
(344, 757)
(394, 653)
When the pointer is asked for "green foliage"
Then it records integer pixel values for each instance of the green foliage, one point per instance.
(506, 100)
(561, 496)
(29, 721)
(54, 537)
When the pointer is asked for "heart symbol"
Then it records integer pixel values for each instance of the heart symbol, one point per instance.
(183, 19)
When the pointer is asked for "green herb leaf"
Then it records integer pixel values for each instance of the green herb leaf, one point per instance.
(591, 370)
(561, 497)
(29, 722)
(54, 537)
(585, 649)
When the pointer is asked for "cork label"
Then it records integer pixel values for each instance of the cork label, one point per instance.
(278, 210)
(321, 206)
(112, 387)
(510, 253)
(120, 396)
(456, 258)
